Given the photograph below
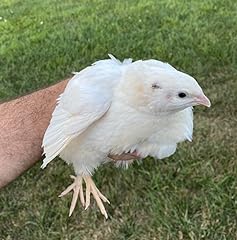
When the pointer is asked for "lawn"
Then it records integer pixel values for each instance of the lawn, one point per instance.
(191, 195)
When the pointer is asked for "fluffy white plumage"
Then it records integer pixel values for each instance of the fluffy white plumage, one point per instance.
(116, 107)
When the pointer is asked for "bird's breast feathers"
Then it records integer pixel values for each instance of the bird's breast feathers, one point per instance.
(124, 129)
(151, 135)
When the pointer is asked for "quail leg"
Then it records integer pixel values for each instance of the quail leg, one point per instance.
(77, 189)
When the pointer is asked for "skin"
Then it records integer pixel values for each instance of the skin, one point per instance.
(23, 122)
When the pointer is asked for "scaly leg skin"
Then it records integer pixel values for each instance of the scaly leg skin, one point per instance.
(90, 188)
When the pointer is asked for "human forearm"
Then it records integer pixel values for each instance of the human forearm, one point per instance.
(23, 122)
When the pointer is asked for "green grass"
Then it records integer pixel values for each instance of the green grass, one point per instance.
(193, 194)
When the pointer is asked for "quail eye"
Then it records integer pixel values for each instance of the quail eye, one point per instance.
(182, 95)
(155, 86)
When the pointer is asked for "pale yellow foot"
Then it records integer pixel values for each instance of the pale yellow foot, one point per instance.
(90, 188)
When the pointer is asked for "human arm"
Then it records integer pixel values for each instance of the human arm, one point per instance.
(23, 122)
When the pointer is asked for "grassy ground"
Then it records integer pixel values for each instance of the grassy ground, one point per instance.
(192, 195)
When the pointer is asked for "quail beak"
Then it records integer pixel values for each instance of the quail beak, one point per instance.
(203, 100)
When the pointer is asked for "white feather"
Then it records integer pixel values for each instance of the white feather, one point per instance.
(86, 98)
(110, 107)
